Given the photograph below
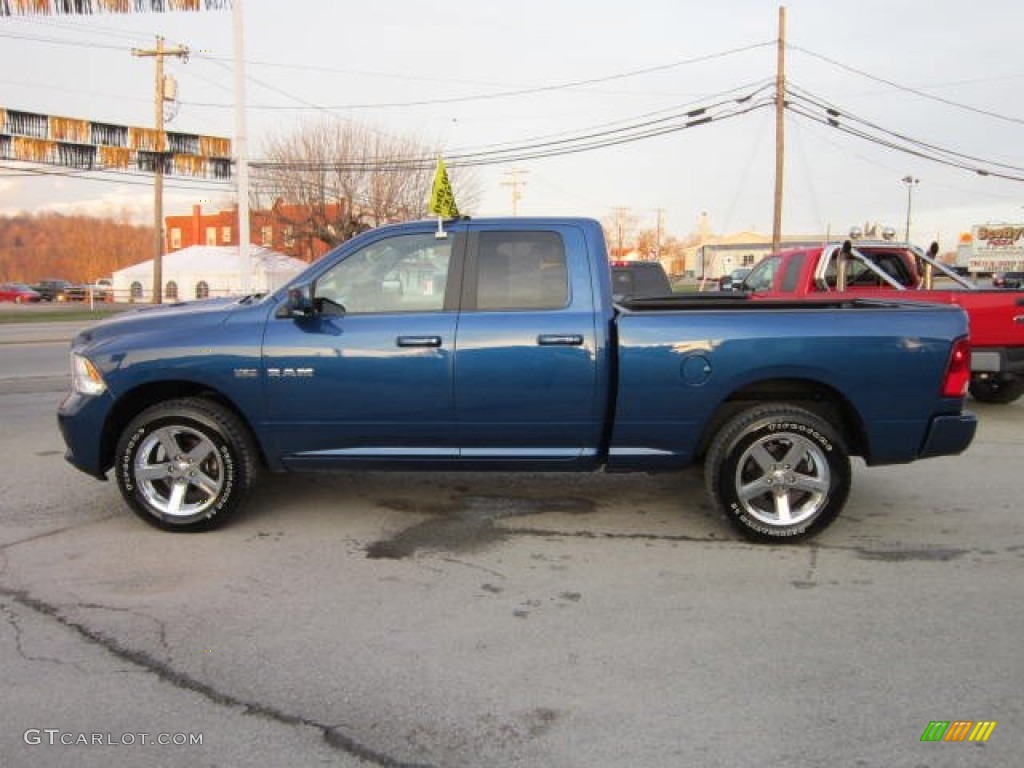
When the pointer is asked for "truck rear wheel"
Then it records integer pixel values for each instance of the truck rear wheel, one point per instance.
(778, 473)
(997, 390)
(185, 465)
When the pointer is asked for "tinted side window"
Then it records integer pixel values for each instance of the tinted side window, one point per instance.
(791, 277)
(895, 267)
(521, 270)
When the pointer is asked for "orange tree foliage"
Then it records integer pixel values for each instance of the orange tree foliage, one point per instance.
(76, 248)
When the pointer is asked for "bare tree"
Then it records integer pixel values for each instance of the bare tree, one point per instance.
(332, 180)
(620, 232)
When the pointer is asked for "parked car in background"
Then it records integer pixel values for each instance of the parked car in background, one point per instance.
(734, 280)
(885, 269)
(102, 289)
(19, 293)
(53, 289)
(639, 279)
(1007, 279)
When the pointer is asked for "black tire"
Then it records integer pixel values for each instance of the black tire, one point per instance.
(185, 465)
(997, 390)
(799, 459)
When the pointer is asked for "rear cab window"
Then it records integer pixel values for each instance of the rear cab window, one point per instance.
(518, 271)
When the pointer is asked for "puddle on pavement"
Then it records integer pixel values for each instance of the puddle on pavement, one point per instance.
(470, 524)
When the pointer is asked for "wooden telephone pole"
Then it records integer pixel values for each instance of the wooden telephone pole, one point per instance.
(158, 181)
(780, 130)
(517, 186)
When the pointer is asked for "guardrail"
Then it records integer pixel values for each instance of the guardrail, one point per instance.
(98, 295)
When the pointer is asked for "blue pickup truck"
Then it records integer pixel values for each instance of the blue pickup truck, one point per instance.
(499, 346)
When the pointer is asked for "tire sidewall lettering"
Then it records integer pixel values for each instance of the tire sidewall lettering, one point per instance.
(228, 460)
(757, 525)
(128, 458)
(803, 429)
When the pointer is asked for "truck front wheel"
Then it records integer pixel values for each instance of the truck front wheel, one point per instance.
(185, 465)
(995, 389)
(778, 473)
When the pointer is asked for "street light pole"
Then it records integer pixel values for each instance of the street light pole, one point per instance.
(910, 181)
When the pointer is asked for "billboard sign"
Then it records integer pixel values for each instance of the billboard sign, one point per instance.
(997, 248)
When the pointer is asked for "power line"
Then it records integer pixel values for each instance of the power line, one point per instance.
(520, 91)
(890, 143)
(127, 177)
(581, 142)
(422, 102)
(838, 118)
(908, 89)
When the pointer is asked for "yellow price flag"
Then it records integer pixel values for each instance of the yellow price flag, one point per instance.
(442, 199)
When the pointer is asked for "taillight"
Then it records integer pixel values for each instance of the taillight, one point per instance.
(958, 370)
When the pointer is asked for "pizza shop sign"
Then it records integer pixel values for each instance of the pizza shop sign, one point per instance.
(1004, 237)
(997, 247)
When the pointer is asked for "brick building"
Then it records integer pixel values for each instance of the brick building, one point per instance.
(269, 229)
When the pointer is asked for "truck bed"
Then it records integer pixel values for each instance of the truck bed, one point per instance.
(725, 301)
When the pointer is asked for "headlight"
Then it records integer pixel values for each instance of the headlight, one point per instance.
(85, 378)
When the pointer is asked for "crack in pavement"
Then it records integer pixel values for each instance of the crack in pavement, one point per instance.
(810, 579)
(56, 531)
(165, 672)
(161, 627)
(545, 533)
(12, 619)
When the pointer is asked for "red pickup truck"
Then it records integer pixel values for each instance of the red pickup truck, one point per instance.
(883, 269)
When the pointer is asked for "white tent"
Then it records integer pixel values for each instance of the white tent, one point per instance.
(202, 271)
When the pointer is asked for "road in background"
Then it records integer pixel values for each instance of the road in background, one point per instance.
(34, 356)
(26, 333)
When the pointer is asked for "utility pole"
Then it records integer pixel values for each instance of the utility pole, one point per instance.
(910, 181)
(242, 153)
(657, 235)
(516, 185)
(780, 130)
(158, 53)
(620, 225)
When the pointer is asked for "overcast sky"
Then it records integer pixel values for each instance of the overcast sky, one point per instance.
(943, 73)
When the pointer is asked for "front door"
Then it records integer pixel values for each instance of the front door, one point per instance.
(370, 376)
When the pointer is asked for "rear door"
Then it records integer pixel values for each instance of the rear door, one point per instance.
(527, 388)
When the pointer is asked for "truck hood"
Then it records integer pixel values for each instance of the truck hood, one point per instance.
(183, 316)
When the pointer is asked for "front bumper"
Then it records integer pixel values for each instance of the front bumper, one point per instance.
(949, 435)
(81, 419)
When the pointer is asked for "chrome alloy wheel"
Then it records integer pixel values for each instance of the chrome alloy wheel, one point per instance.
(782, 479)
(179, 472)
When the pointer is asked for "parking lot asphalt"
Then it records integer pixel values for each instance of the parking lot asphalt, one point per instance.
(453, 619)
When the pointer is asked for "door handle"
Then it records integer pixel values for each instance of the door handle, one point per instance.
(560, 340)
(419, 341)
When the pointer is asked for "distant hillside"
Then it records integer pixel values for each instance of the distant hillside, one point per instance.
(76, 248)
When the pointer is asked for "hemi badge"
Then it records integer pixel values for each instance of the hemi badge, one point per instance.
(246, 373)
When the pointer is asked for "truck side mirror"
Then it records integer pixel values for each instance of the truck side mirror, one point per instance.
(298, 303)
